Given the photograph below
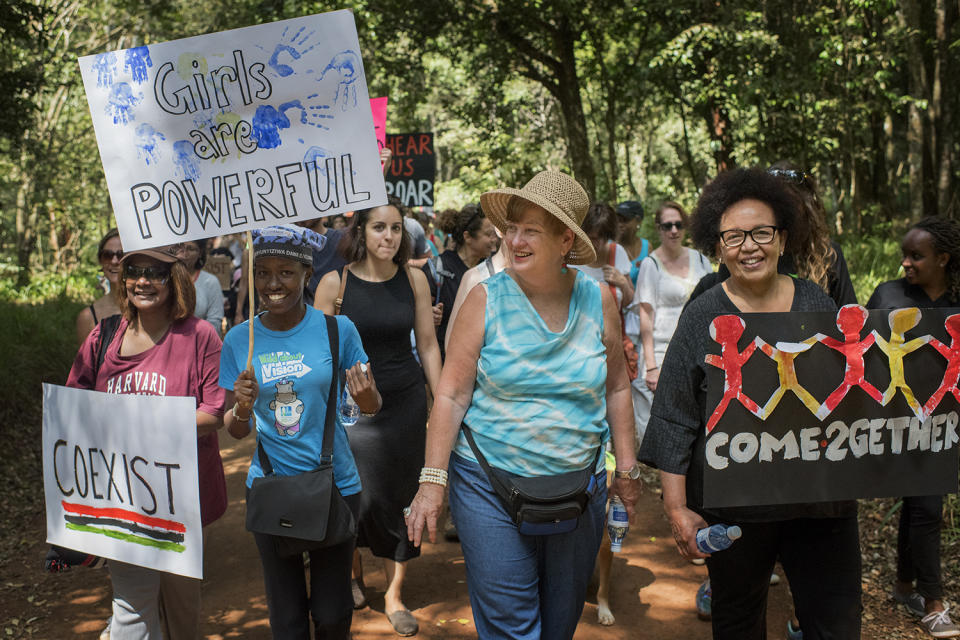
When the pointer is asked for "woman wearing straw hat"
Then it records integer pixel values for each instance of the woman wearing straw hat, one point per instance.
(535, 370)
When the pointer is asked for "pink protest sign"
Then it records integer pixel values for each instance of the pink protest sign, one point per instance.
(379, 108)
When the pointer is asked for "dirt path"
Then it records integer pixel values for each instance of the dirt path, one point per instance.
(653, 588)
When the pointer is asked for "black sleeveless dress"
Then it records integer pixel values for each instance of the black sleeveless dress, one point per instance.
(388, 448)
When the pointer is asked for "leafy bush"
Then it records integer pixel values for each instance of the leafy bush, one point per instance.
(872, 259)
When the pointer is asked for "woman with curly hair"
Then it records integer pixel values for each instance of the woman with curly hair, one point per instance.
(749, 219)
(931, 269)
(814, 257)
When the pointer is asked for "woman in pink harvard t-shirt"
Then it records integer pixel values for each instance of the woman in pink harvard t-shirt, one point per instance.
(161, 349)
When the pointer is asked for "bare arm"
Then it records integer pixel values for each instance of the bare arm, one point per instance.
(470, 278)
(683, 521)
(424, 330)
(619, 402)
(85, 324)
(450, 404)
(325, 296)
(244, 394)
(207, 423)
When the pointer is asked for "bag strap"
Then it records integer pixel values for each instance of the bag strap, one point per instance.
(497, 484)
(108, 329)
(489, 263)
(494, 478)
(326, 448)
(338, 302)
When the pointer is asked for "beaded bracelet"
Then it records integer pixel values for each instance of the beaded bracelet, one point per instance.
(432, 475)
(236, 406)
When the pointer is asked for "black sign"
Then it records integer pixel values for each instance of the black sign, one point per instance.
(811, 407)
(413, 168)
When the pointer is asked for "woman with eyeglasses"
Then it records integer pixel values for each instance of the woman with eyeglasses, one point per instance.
(109, 255)
(193, 254)
(160, 348)
(667, 276)
(749, 219)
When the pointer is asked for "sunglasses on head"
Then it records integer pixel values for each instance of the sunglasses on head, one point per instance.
(108, 255)
(667, 226)
(796, 176)
(155, 275)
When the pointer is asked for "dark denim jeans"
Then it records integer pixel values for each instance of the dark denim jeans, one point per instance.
(521, 587)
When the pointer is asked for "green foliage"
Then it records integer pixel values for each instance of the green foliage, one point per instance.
(872, 259)
(37, 338)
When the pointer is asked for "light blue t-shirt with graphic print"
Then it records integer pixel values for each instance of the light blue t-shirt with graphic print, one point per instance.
(293, 371)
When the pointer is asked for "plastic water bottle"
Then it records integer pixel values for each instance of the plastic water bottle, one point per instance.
(617, 524)
(717, 538)
(349, 409)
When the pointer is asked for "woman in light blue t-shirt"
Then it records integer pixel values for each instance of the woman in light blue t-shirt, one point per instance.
(536, 370)
(284, 398)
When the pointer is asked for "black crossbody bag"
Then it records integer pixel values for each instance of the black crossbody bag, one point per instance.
(304, 511)
(542, 505)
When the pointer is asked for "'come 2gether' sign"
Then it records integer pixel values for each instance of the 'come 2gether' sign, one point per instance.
(811, 407)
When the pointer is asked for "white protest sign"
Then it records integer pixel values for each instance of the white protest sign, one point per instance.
(235, 130)
(120, 477)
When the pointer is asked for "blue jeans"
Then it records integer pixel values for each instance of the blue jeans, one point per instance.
(521, 587)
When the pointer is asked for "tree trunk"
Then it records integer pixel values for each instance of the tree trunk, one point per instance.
(718, 126)
(910, 20)
(571, 107)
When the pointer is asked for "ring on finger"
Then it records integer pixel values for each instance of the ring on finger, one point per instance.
(406, 512)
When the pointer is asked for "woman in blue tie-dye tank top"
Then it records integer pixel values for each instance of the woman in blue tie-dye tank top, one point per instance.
(535, 369)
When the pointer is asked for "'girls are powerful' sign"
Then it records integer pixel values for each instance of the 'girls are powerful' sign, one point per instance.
(235, 130)
(811, 407)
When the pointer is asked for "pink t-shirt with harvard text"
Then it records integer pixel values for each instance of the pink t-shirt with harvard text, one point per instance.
(186, 363)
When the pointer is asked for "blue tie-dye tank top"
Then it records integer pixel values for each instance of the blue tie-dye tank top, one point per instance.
(539, 405)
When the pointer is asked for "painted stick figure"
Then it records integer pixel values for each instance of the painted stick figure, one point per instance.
(784, 354)
(901, 321)
(726, 331)
(850, 321)
(952, 375)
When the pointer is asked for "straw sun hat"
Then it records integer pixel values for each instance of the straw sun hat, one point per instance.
(557, 193)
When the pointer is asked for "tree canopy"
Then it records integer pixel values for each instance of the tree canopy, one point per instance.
(643, 100)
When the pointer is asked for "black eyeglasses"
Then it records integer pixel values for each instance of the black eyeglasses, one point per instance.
(108, 255)
(732, 238)
(666, 226)
(156, 275)
(796, 176)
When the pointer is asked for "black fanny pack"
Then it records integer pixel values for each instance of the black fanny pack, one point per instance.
(542, 505)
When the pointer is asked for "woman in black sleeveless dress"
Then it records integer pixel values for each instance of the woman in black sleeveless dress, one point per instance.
(386, 300)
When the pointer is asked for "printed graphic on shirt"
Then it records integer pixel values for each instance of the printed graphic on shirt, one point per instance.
(281, 364)
(287, 409)
(141, 383)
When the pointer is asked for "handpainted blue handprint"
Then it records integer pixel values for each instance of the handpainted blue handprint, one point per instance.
(312, 113)
(148, 143)
(105, 65)
(121, 101)
(137, 60)
(348, 67)
(290, 48)
(185, 160)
